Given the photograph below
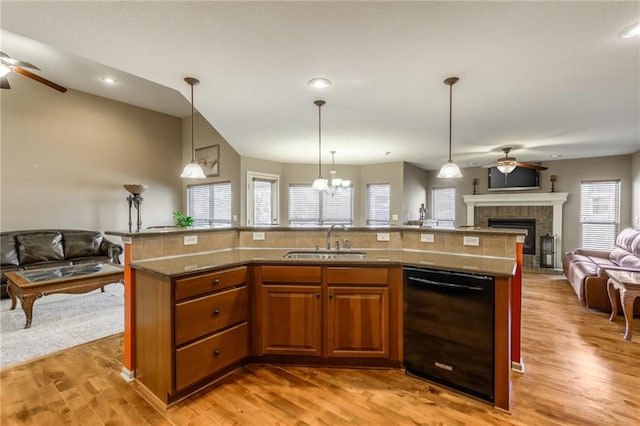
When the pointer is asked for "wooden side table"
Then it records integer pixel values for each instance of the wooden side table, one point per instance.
(628, 283)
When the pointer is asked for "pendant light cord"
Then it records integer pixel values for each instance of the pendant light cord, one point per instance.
(319, 140)
(450, 114)
(193, 152)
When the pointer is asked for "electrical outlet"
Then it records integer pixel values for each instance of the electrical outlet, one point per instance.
(394, 217)
(382, 236)
(471, 241)
(427, 238)
(235, 217)
(190, 240)
(258, 236)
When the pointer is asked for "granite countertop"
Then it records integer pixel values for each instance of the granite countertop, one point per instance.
(411, 228)
(179, 266)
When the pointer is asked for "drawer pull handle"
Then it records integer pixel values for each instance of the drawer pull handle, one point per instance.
(216, 282)
(216, 352)
(216, 311)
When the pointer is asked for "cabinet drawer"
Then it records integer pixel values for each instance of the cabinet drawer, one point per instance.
(195, 318)
(206, 283)
(366, 276)
(291, 274)
(201, 359)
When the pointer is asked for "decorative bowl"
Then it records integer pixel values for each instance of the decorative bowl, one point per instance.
(135, 188)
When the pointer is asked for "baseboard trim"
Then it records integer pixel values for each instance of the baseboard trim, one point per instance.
(128, 375)
(518, 367)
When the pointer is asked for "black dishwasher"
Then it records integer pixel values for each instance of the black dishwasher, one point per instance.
(449, 329)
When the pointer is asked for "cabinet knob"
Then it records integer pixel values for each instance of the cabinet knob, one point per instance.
(216, 311)
(318, 295)
(216, 352)
(330, 295)
(216, 282)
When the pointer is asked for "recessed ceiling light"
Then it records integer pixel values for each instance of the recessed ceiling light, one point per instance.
(631, 31)
(556, 155)
(319, 83)
(109, 80)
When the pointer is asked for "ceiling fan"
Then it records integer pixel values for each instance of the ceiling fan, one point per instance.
(8, 64)
(507, 164)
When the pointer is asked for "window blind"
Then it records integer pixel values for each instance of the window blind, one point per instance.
(444, 204)
(210, 204)
(263, 208)
(378, 203)
(308, 207)
(599, 214)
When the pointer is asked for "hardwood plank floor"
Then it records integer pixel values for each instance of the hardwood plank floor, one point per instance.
(579, 371)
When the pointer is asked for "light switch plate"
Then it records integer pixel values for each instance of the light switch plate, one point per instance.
(190, 240)
(427, 238)
(471, 241)
(258, 236)
(383, 236)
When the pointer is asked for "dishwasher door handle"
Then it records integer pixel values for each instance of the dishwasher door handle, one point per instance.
(446, 285)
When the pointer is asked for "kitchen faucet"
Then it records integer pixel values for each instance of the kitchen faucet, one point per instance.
(329, 235)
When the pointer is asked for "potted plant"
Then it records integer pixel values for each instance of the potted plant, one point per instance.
(182, 220)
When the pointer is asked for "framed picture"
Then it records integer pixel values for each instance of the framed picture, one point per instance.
(209, 159)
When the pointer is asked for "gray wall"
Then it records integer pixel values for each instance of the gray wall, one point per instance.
(569, 175)
(414, 191)
(635, 192)
(65, 157)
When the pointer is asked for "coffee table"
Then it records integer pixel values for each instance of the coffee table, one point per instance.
(33, 284)
(628, 282)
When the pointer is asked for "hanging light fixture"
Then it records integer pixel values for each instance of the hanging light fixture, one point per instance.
(450, 169)
(320, 184)
(506, 164)
(335, 184)
(192, 170)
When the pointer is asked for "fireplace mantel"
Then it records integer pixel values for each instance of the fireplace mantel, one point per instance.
(554, 199)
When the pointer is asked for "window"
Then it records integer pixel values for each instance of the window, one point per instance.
(262, 199)
(444, 206)
(308, 207)
(599, 214)
(210, 204)
(378, 204)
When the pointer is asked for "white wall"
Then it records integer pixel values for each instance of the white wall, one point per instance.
(635, 192)
(65, 157)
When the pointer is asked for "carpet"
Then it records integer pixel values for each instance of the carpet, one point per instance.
(59, 322)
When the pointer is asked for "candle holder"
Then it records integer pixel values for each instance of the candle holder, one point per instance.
(135, 200)
(475, 186)
(552, 178)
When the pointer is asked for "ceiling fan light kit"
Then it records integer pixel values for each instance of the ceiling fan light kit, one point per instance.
(192, 170)
(508, 164)
(450, 169)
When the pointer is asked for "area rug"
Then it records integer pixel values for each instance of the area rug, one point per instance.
(59, 322)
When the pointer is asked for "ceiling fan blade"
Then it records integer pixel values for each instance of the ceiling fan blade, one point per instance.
(4, 83)
(39, 79)
(24, 64)
(531, 166)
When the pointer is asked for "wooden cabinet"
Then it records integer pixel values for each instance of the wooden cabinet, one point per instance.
(330, 312)
(189, 330)
(291, 310)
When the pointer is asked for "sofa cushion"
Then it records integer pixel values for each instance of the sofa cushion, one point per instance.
(8, 254)
(39, 247)
(81, 244)
(624, 258)
(91, 259)
(629, 240)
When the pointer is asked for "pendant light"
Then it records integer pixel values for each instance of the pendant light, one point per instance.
(450, 169)
(320, 184)
(192, 170)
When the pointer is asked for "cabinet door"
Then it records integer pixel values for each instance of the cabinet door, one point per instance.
(358, 322)
(291, 320)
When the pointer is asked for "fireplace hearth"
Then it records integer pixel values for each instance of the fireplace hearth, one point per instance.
(529, 246)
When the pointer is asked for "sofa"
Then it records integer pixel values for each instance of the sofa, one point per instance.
(586, 270)
(46, 248)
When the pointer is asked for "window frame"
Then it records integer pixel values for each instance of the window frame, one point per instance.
(443, 221)
(607, 243)
(370, 217)
(211, 221)
(275, 197)
(321, 219)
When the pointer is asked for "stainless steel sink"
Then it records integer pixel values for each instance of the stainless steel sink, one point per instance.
(323, 254)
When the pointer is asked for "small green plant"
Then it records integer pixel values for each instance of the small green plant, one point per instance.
(181, 219)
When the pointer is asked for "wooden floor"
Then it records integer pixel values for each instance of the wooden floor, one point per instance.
(579, 371)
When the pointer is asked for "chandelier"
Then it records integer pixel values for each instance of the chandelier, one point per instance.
(335, 185)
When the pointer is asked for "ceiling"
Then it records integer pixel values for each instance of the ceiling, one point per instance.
(546, 78)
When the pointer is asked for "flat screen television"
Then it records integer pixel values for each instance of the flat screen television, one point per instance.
(519, 179)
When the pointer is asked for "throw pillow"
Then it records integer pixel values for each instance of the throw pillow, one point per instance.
(39, 247)
(82, 244)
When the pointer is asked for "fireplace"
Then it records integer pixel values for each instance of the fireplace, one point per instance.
(529, 246)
